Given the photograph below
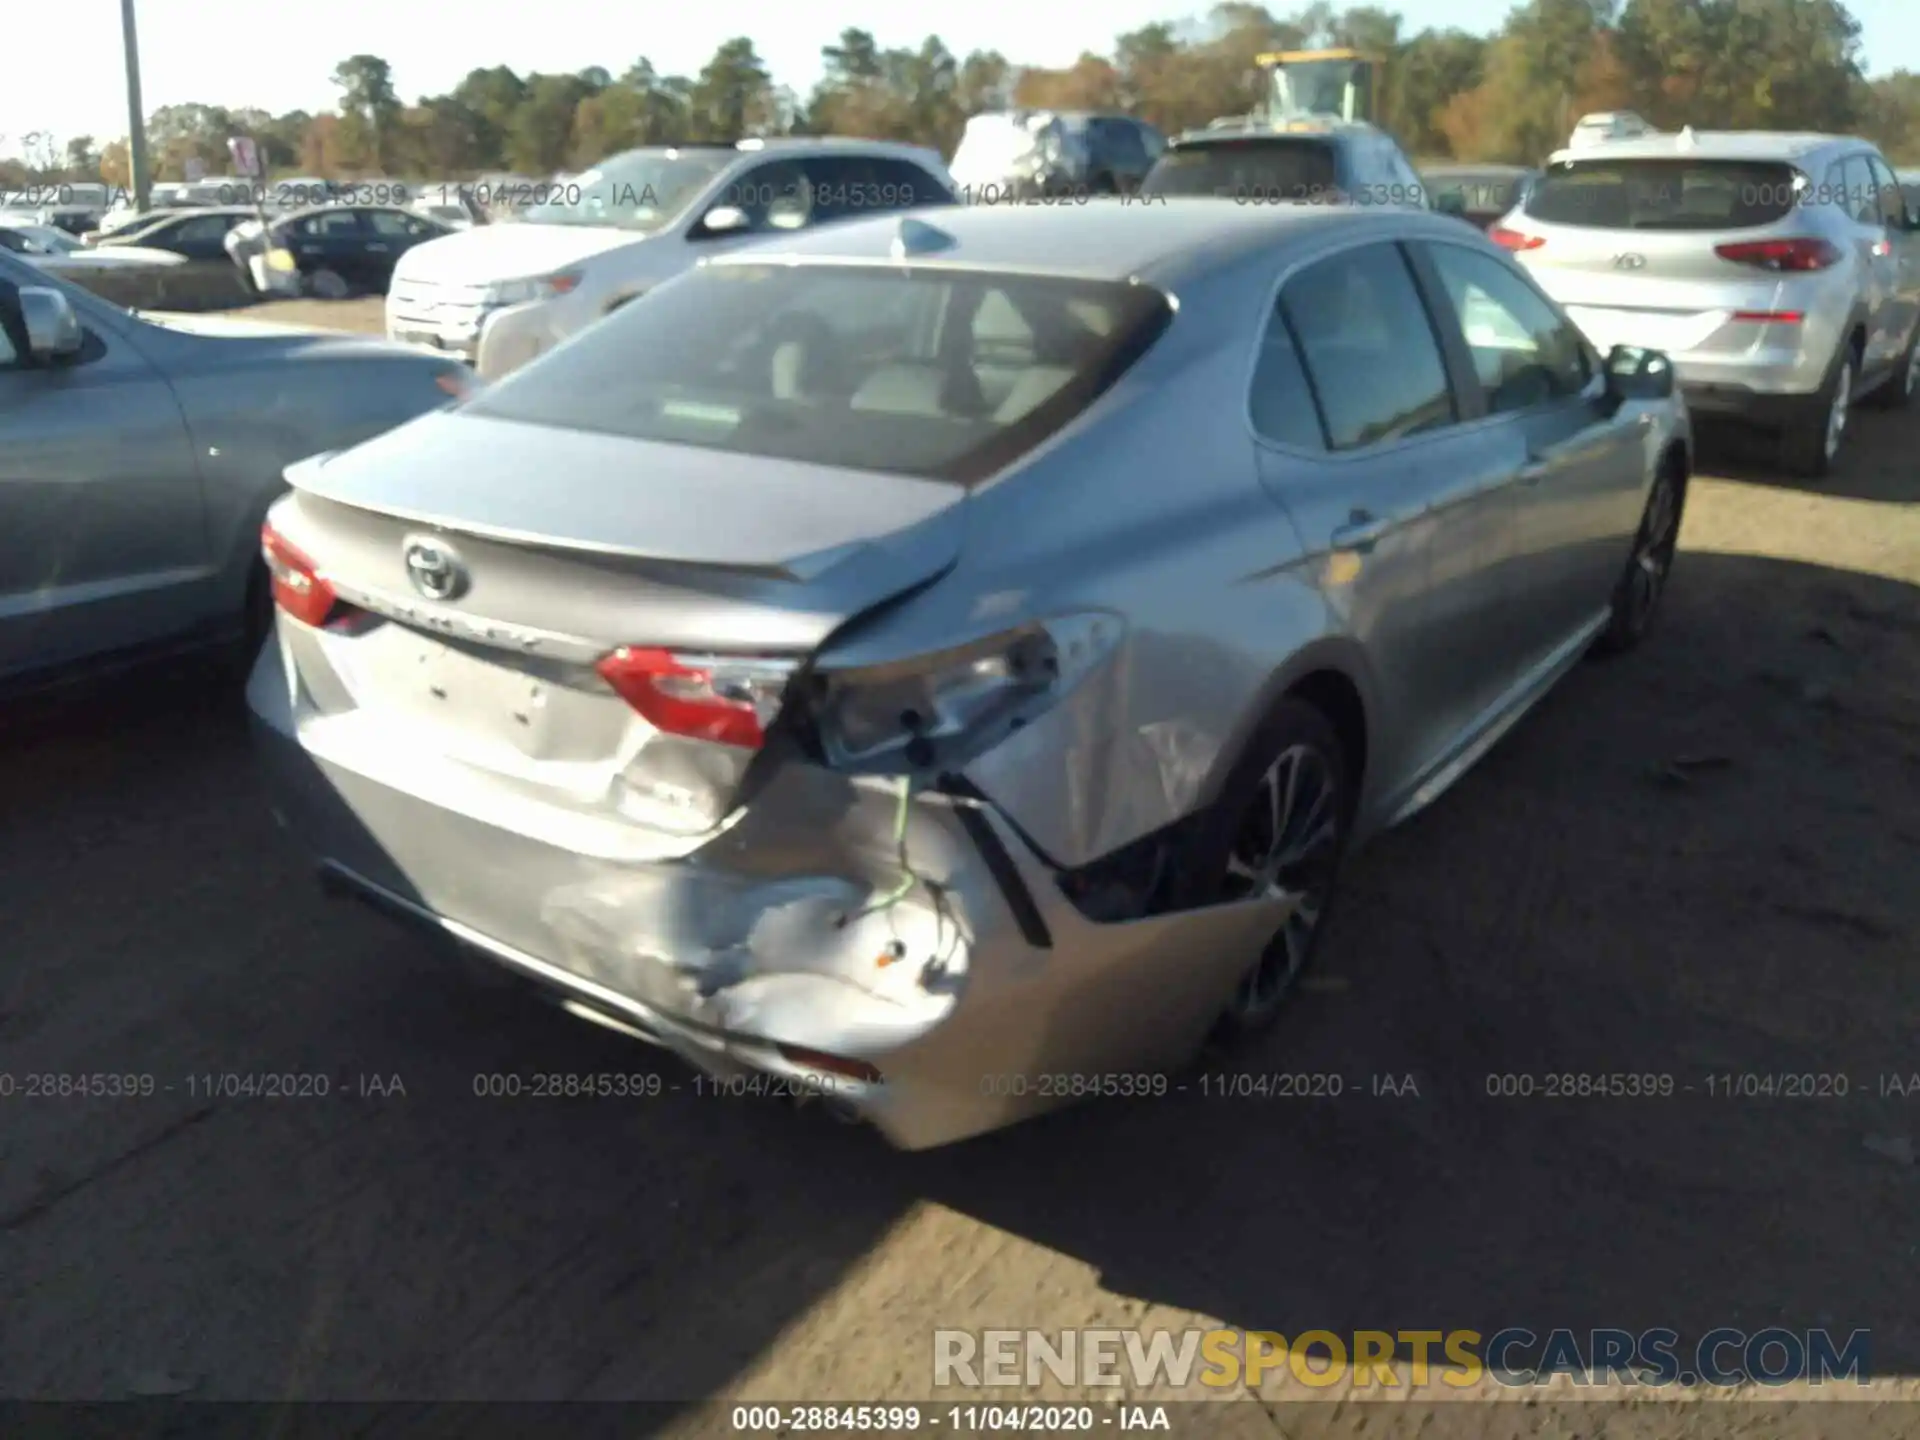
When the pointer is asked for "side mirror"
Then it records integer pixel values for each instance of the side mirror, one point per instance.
(724, 220)
(53, 330)
(1451, 202)
(1634, 373)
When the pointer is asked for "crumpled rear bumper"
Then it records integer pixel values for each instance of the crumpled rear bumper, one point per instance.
(979, 994)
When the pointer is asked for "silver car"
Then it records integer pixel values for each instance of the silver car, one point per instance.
(941, 663)
(1780, 272)
(139, 454)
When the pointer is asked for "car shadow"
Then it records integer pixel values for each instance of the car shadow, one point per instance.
(1686, 864)
(419, 1209)
(1871, 466)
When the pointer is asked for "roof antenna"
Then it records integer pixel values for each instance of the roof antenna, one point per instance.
(916, 237)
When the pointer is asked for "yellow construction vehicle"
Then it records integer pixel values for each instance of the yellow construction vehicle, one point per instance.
(1306, 86)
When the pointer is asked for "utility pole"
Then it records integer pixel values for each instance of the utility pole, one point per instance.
(136, 113)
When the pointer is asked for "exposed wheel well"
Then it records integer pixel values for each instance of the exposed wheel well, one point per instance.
(1140, 878)
(1338, 698)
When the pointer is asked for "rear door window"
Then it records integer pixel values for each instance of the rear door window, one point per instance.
(202, 229)
(1369, 347)
(1679, 194)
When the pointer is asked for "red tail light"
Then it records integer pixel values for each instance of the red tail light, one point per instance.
(832, 1064)
(729, 701)
(1515, 239)
(298, 587)
(1769, 317)
(1799, 254)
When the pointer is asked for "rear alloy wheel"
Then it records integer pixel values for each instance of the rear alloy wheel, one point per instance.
(1637, 595)
(1278, 831)
(1814, 443)
(327, 285)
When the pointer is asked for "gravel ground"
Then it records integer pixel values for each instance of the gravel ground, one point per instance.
(1695, 861)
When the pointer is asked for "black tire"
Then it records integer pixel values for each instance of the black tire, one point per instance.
(257, 625)
(1804, 446)
(327, 284)
(1643, 580)
(1238, 823)
(1897, 392)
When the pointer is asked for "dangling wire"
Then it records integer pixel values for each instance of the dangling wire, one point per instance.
(907, 878)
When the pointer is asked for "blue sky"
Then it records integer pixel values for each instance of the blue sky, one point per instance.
(241, 52)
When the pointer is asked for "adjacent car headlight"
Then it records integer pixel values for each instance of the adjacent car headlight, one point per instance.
(539, 287)
(941, 709)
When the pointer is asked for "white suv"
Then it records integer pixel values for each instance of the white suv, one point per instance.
(498, 295)
(1781, 273)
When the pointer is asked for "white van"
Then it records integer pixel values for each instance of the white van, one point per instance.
(1605, 125)
(498, 295)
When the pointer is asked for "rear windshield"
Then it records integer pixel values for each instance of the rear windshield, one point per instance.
(943, 374)
(1256, 170)
(1678, 194)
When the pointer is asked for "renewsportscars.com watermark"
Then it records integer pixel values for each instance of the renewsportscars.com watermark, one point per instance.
(1395, 1359)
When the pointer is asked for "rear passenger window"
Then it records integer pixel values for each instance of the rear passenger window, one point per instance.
(1369, 347)
(1282, 402)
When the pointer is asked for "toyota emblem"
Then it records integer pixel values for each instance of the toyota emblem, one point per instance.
(1629, 261)
(434, 569)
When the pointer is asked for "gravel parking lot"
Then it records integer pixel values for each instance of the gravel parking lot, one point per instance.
(1697, 861)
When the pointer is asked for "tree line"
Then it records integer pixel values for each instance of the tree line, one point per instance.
(1447, 93)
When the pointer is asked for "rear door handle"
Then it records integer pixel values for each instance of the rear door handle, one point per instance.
(381, 248)
(1362, 532)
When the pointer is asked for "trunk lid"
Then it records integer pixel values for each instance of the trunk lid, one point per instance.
(566, 547)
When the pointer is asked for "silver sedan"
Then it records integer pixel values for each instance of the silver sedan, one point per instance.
(138, 454)
(941, 664)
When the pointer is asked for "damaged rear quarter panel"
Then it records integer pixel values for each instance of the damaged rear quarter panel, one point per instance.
(1151, 511)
